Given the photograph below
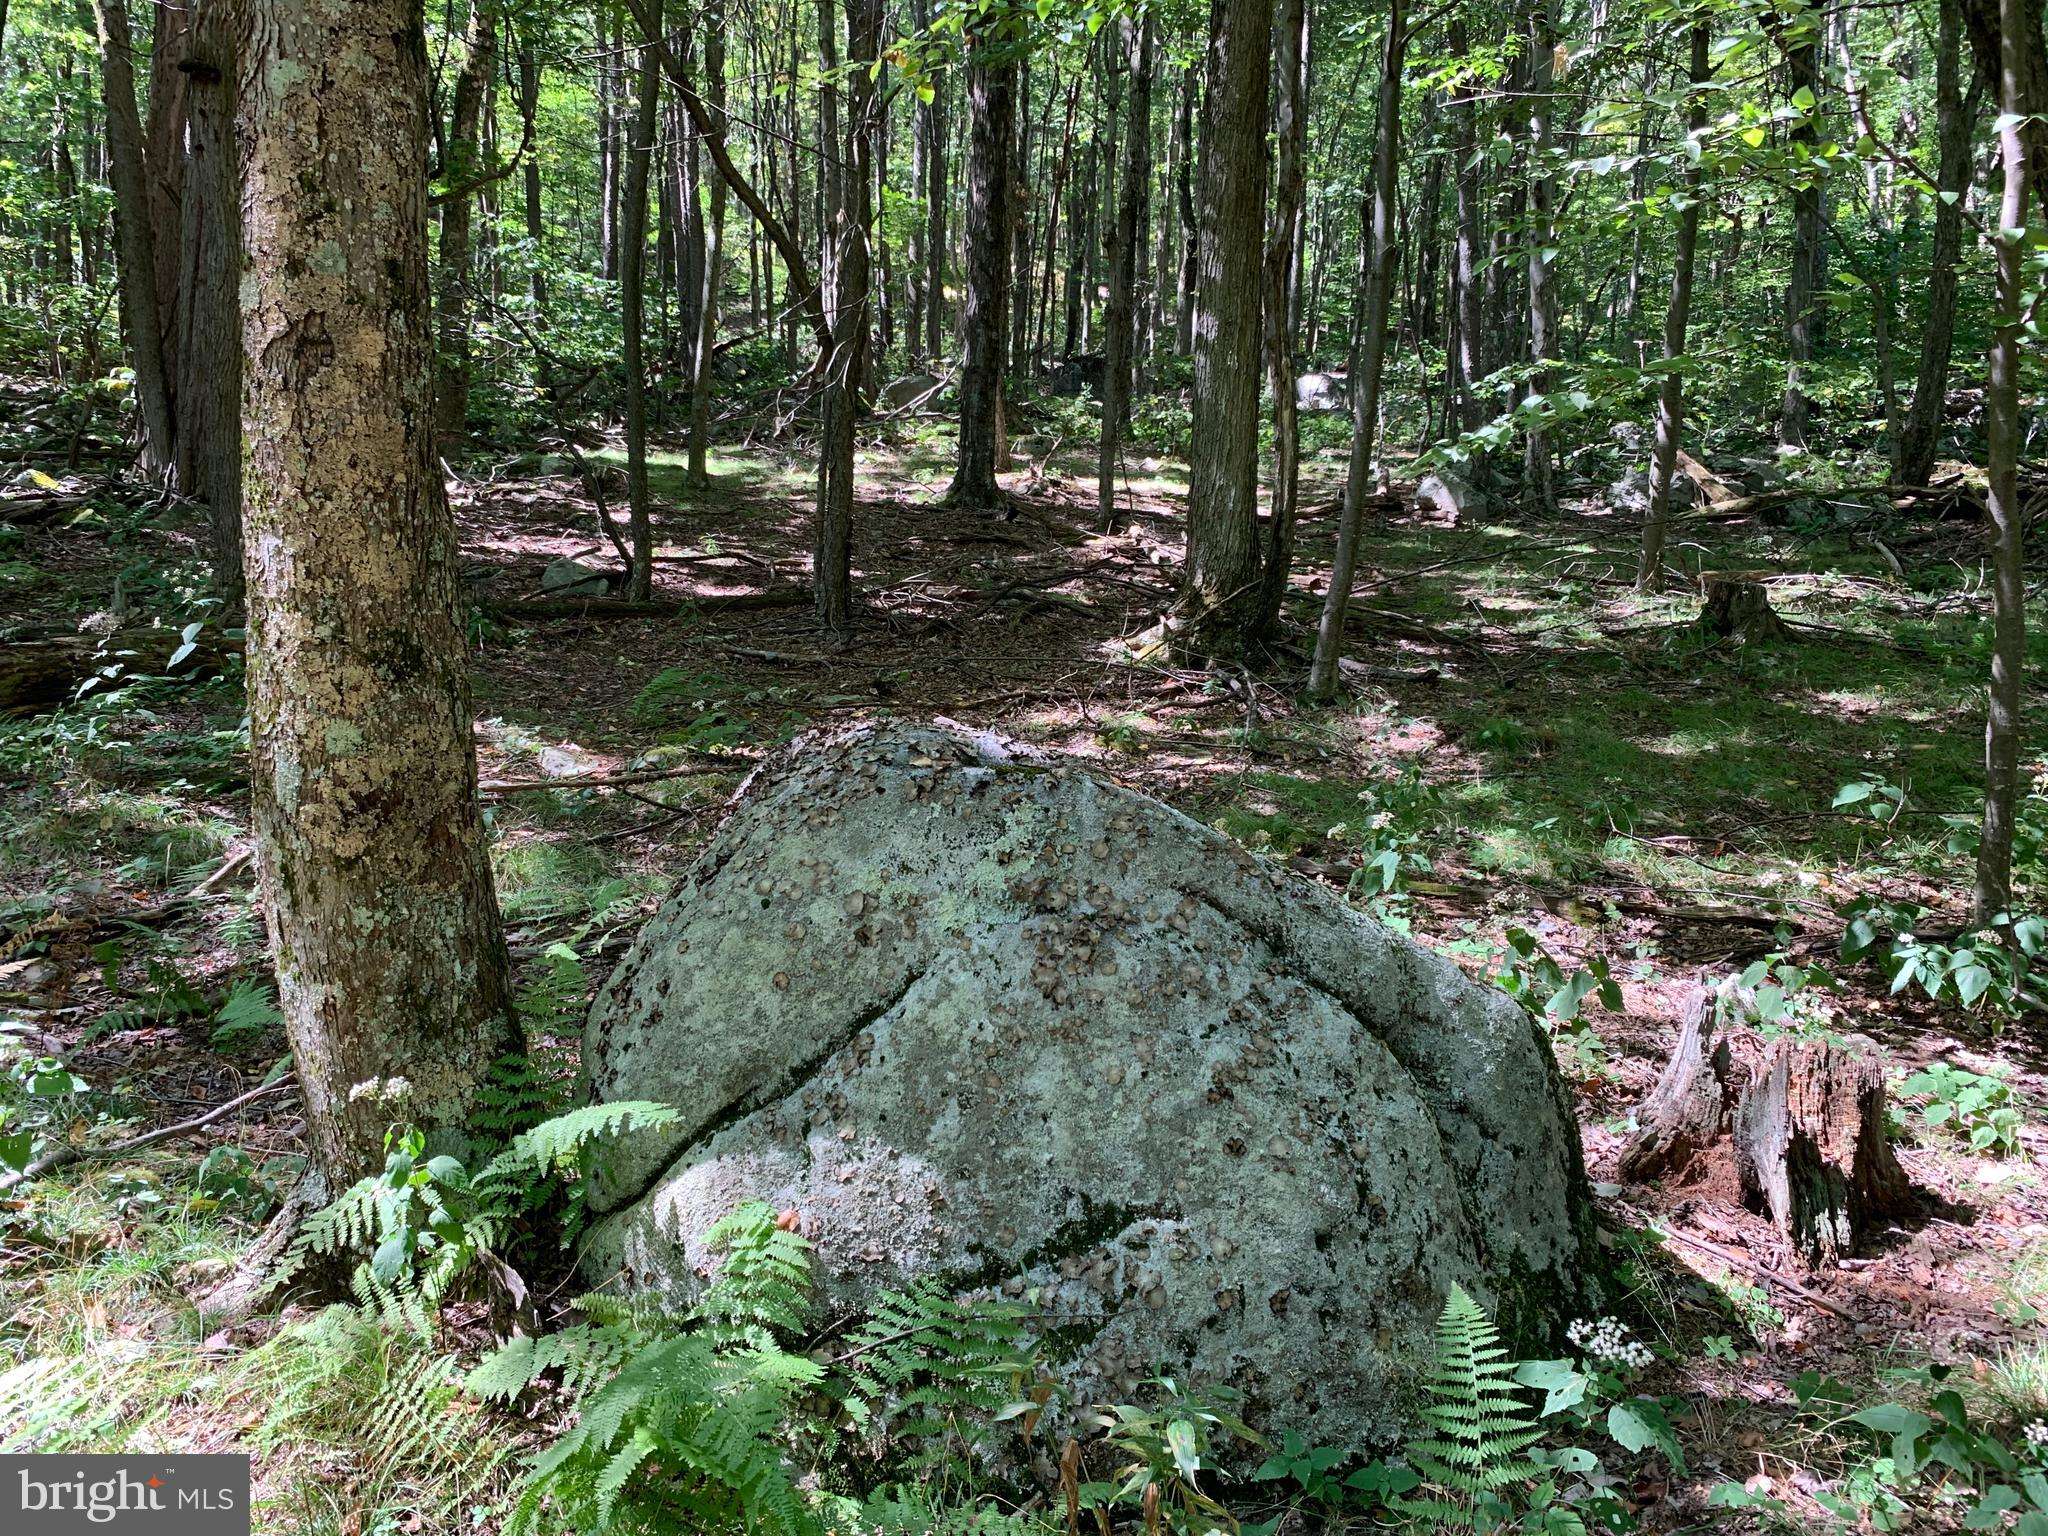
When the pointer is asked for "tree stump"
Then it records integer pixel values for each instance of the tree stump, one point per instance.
(1797, 1126)
(1738, 608)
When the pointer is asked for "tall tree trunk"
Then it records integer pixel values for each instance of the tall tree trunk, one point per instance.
(163, 165)
(633, 299)
(1219, 584)
(832, 552)
(1184, 201)
(462, 159)
(1539, 490)
(1955, 120)
(1468, 243)
(536, 229)
(1140, 43)
(2006, 509)
(932, 120)
(1802, 76)
(609, 33)
(141, 325)
(210, 267)
(376, 882)
(701, 356)
(1282, 287)
(992, 107)
(917, 261)
(1671, 388)
(1017, 310)
(1323, 672)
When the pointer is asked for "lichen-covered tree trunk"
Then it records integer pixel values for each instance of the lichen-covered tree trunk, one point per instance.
(464, 157)
(1468, 241)
(633, 302)
(936, 189)
(1677, 318)
(1121, 322)
(847, 231)
(984, 322)
(1955, 118)
(375, 876)
(134, 232)
(1539, 490)
(713, 275)
(1283, 288)
(210, 266)
(1219, 582)
(2003, 443)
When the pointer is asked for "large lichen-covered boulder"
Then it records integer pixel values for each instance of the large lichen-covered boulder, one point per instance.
(976, 1016)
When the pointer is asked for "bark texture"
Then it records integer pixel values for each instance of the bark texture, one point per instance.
(1677, 318)
(376, 882)
(984, 322)
(1219, 584)
(210, 268)
(458, 215)
(1121, 321)
(1956, 118)
(639, 152)
(1370, 362)
(2003, 441)
(135, 237)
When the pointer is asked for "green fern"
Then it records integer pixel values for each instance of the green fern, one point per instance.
(1479, 1429)
(688, 1431)
(928, 1370)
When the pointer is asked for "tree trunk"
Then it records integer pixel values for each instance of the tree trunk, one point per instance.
(141, 324)
(1469, 242)
(1802, 74)
(1140, 43)
(1677, 315)
(1539, 481)
(462, 160)
(1955, 119)
(992, 104)
(1219, 584)
(163, 165)
(847, 229)
(1371, 359)
(376, 881)
(2007, 512)
(1184, 200)
(701, 356)
(932, 120)
(1283, 281)
(633, 300)
(1797, 1126)
(210, 267)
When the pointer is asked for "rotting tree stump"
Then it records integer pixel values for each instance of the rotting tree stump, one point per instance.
(1798, 1124)
(1738, 608)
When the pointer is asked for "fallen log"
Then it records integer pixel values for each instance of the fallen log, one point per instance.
(42, 671)
(660, 608)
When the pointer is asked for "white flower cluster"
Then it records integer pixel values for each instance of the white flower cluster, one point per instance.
(2037, 1436)
(1606, 1340)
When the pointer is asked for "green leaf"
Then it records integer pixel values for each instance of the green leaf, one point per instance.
(1640, 1424)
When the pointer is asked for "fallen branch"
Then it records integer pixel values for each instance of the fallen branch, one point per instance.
(1751, 1267)
(661, 608)
(61, 1156)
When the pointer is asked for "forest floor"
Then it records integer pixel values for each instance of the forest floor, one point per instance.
(1530, 748)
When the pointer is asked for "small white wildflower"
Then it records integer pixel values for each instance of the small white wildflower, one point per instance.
(1606, 1340)
(2036, 1434)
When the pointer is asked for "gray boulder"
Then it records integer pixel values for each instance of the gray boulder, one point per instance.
(978, 1016)
(1450, 496)
(1322, 392)
(565, 577)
